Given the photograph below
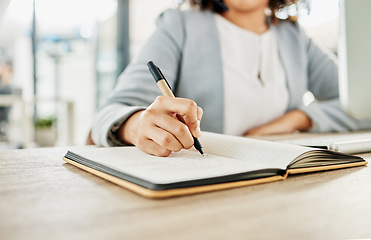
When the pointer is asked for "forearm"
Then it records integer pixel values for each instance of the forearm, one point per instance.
(295, 120)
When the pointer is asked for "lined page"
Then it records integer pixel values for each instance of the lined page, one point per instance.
(224, 155)
(266, 153)
(180, 166)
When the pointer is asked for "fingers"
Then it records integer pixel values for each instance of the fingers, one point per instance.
(153, 148)
(168, 132)
(190, 114)
(181, 106)
(197, 131)
(159, 132)
(200, 112)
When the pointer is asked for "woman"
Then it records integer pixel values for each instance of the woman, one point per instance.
(241, 72)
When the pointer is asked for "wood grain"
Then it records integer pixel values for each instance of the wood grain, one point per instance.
(42, 197)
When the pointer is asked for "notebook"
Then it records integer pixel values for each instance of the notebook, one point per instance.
(349, 143)
(229, 162)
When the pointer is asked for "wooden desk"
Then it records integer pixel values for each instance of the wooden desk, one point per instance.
(42, 197)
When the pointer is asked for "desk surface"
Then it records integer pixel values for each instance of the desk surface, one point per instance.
(42, 197)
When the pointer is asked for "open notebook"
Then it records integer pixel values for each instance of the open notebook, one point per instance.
(229, 162)
(350, 143)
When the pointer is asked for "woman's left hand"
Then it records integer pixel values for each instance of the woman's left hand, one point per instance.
(295, 120)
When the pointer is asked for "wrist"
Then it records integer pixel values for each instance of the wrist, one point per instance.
(127, 131)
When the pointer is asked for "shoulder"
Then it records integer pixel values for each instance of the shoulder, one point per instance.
(171, 14)
(174, 18)
(292, 33)
(289, 28)
(181, 24)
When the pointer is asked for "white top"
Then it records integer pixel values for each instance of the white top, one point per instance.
(250, 100)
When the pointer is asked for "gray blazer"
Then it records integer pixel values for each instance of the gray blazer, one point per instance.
(187, 50)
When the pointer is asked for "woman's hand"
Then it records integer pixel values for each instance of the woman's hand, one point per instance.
(288, 123)
(158, 131)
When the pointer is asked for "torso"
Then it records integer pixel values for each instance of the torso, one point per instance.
(255, 90)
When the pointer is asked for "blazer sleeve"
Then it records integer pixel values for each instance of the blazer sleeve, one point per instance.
(326, 111)
(136, 88)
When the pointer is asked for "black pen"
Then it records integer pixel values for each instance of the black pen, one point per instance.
(166, 91)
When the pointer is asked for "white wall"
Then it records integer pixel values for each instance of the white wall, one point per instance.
(143, 14)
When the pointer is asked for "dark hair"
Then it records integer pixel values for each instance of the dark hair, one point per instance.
(274, 5)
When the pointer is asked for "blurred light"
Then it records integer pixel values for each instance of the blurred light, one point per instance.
(60, 16)
(85, 32)
(320, 12)
(106, 9)
(308, 98)
(292, 10)
(106, 66)
(282, 14)
(19, 11)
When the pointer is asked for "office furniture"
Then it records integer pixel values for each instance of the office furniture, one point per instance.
(25, 122)
(42, 197)
(65, 118)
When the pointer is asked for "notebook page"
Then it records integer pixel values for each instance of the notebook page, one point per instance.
(270, 154)
(180, 166)
(350, 143)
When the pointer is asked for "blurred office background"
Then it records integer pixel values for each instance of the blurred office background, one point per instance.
(60, 58)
